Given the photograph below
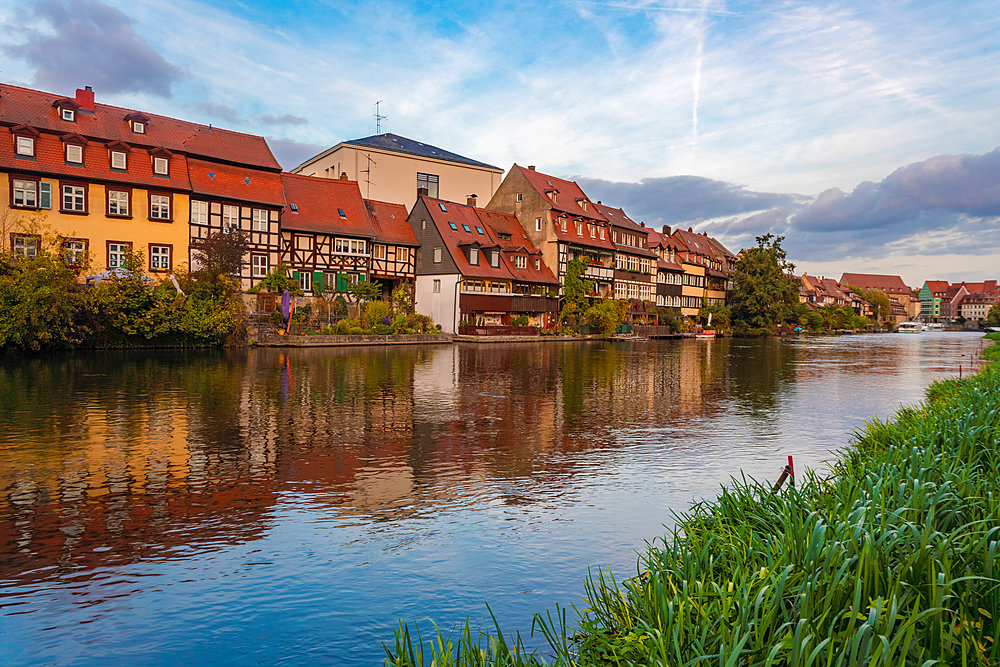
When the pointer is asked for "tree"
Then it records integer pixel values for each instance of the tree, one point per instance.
(607, 315)
(277, 281)
(763, 290)
(993, 317)
(575, 289)
(365, 292)
(221, 255)
(881, 306)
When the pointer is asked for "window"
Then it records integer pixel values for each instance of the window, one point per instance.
(538, 264)
(74, 153)
(260, 221)
(437, 286)
(230, 218)
(199, 212)
(26, 146)
(521, 262)
(437, 255)
(442, 207)
(474, 256)
(480, 230)
(423, 224)
(138, 127)
(429, 181)
(402, 254)
(538, 224)
(45, 195)
(495, 259)
(161, 166)
(74, 198)
(74, 251)
(159, 207)
(341, 213)
(453, 226)
(258, 266)
(378, 251)
(118, 202)
(579, 229)
(159, 257)
(305, 281)
(67, 114)
(518, 196)
(350, 246)
(562, 224)
(118, 160)
(25, 193)
(25, 245)
(602, 233)
(116, 253)
(466, 228)
(593, 232)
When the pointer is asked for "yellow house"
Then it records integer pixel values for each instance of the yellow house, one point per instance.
(392, 168)
(95, 182)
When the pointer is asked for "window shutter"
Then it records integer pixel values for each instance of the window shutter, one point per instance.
(341, 282)
(317, 281)
(45, 195)
(361, 278)
(295, 276)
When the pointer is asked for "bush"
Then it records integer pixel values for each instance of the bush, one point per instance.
(343, 327)
(373, 314)
(40, 305)
(519, 321)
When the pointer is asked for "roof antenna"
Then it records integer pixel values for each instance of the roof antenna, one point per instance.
(378, 118)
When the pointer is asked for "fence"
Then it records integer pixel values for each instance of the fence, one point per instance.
(490, 330)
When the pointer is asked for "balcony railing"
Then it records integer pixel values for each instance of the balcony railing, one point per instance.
(495, 330)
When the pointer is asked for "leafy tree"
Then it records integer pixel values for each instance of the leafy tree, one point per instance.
(881, 306)
(764, 292)
(575, 289)
(221, 255)
(402, 298)
(721, 315)
(365, 292)
(277, 281)
(607, 315)
(40, 305)
(993, 317)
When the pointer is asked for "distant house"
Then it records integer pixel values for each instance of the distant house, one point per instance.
(975, 307)
(892, 286)
(930, 296)
(669, 273)
(560, 221)
(635, 264)
(394, 250)
(479, 267)
(393, 169)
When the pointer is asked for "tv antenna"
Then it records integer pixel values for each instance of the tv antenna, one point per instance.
(378, 118)
(368, 174)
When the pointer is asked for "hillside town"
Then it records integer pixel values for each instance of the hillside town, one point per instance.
(478, 245)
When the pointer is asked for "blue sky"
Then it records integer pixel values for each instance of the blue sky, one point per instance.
(866, 132)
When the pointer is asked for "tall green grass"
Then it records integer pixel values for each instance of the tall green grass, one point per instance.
(893, 559)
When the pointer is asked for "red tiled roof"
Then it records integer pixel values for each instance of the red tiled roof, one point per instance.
(517, 244)
(389, 222)
(618, 218)
(669, 266)
(107, 123)
(584, 239)
(319, 201)
(884, 283)
(936, 286)
(237, 183)
(50, 158)
(455, 240)
(568, 192)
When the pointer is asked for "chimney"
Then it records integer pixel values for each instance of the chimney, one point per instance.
(642, 224)
(343, 176)
(471, 200)
(690, 231)
(421, 192)
(85, 98)
(666, 230)
(531, 167)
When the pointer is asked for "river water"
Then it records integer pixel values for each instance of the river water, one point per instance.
(265, 507)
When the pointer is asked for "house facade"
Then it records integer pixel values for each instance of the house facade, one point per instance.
(669, 273)
(635, 263)
(394, 250)
(392, 169)
(478, 267)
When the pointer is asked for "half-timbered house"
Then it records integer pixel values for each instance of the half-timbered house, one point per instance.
(326, 233)
(394, 251)
(669, 273)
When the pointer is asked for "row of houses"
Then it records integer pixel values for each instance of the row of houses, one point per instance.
(941, 301)
(101, 181)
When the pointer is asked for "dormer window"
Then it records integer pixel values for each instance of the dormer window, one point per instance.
(137, 121)
(495, 259)
(26, 146)
(582, 203)
(138, 127)
(118, 160)
(538, 264)
(474, 256)
(74, 153)
(161, 166)
(67, 114)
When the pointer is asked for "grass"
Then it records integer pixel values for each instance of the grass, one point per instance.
(893, 559)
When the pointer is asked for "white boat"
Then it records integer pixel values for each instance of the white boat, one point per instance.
(910, 327)
(934, 326)
(707, 333)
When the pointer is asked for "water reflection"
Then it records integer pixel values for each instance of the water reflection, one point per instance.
(344, 470)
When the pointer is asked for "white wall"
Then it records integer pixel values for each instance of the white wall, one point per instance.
(442, 307)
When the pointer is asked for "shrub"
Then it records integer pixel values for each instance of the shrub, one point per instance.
(519, 321)
(344, 327)
(40, 306)
(373, 313)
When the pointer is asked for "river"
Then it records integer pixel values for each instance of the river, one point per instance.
(265, 507)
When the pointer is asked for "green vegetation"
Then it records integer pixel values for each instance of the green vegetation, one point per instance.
(575, 289)
(607, 315)
(42, 307)
(892, 560)
(721, 316)
(993, 317)
(277, 280)
(833, 317)
(881, 306)
(764, 293)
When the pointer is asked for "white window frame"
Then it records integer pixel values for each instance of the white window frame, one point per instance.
(161, 166)
(260, 220)
(74, 153)
(474, 256)
(74, 198)
(199, 212)
(74, 251)
(138, 127)
(27, 192)
(378, 251)
(67, 114)
(495, 259)
(118, 202)
(116, 254)
(25, 245)
(521, 262)
(538, 224)
(402, 254)
(258, 268)
(230, 218)
(437, 255)
(159, 257)
(436, 287)
(119, 160)
(159, 207)
(305, 281)
(25, 146)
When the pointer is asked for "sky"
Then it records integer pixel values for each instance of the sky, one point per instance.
(867, 133)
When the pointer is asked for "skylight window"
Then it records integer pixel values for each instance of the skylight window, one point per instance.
(479, 229)
(341, 212)
(453, 226)
(466, 228)
(442, 207)
(294, 206)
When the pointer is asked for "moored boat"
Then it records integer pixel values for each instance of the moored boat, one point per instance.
(910, 327)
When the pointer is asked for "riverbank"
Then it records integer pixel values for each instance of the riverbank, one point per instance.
(891, 559)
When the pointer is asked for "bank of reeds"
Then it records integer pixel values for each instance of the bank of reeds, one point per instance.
(891, 559)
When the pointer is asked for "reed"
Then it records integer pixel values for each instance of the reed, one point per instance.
(891, 559)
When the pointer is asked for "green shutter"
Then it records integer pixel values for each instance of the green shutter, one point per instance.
(361, 278)
(295, 277)
(317, 281)
(341, 282)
